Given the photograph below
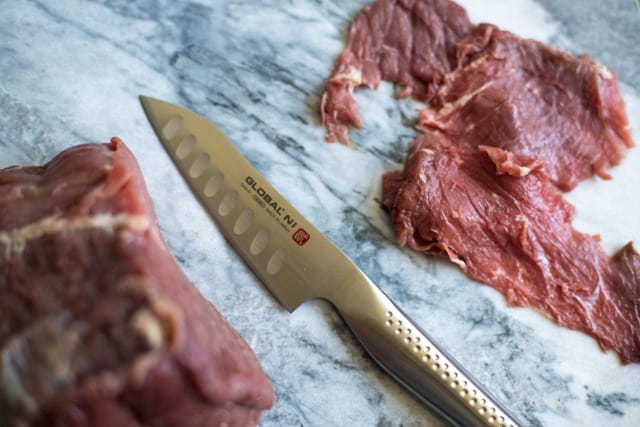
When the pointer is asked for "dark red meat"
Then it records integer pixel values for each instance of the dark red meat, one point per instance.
(525, 97)
(515, 234)
(509, 123)
(410, 42)
(98, 324)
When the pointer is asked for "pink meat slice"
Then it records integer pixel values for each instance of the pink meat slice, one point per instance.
(98, 324)
(409, 42)
(515, 234)
(524, 97)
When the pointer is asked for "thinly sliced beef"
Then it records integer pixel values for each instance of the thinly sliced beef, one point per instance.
(410, 42)
(509, 124)
(524, 97)
(515, 234)
(98, 324)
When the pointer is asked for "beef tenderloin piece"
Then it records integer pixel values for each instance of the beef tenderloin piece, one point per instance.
(98, 324)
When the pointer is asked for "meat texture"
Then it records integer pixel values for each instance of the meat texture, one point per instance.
(524, 97)
(98, 324)
(515, 234)
(409, 42)
(509, 125)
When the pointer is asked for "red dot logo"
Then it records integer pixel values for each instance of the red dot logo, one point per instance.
(301, 236)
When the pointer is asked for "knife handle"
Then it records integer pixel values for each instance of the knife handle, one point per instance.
(414, 360)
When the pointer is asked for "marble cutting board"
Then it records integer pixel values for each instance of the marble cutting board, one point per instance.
(71, 71)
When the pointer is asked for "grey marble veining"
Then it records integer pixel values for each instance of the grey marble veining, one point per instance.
(71, 71)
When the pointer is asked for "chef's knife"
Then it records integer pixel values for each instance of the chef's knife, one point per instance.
(298, 263)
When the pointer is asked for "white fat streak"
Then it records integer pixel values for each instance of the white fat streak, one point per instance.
(458, 103)
(14, 241)
(352, 76)
(603, 71)
(146, 323)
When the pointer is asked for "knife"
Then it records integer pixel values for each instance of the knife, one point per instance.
(297, 263)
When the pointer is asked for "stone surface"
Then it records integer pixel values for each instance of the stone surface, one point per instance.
(72, 71)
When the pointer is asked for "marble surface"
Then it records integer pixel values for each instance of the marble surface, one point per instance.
(71, 71)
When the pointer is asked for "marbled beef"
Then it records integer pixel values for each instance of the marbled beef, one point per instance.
(98, 324)
(509, 124)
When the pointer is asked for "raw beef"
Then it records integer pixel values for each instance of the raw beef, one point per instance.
(515, 234)
(527, 98)
(98, 324)
(509, 124)
(410, 42)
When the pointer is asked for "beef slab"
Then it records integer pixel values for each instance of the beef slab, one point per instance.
(98, 324)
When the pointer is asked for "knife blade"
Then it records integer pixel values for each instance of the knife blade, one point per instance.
(297, 263)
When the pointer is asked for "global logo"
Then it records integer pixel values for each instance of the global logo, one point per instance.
(301, 236)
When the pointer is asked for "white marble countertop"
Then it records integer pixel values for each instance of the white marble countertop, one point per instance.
(71, 71)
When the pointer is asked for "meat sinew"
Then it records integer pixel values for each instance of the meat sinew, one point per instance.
(509, 124)
(98, 324)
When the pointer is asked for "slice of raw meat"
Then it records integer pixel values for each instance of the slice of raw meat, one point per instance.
(410, 42)
(515, 234)
(98, 324)
(529, 99)
(509, 123)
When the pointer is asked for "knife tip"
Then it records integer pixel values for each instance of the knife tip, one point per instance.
(146, 102)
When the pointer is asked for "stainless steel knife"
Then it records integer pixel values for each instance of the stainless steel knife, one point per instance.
(298, 263)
